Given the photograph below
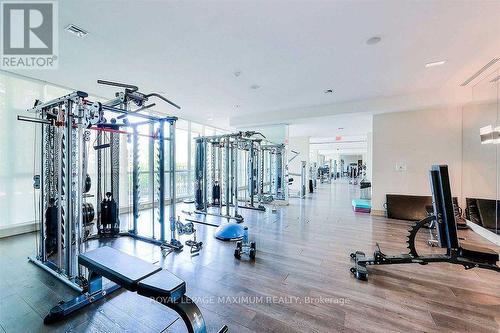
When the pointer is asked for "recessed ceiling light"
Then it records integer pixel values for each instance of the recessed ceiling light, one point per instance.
(255, 86)
(328, 91)
(435, 63)
(210, 119)
(373, 40)
(76, 30)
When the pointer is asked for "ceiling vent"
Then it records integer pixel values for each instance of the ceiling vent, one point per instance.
(76, 30)
(495, 79)
(479, 72)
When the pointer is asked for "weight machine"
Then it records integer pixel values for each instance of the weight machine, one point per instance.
(302, 175)
(444, 217)
(326, 172)
(313, 174)
(217, 178)
(216, 164)
(61, 199)
(255, 170)
(277, 188)
(330, 171)
(66, 216)
(302, 191)
(161, 130)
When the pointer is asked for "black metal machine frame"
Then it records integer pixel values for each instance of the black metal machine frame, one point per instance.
(467, 256)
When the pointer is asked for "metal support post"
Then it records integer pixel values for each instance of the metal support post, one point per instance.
(135, 178)
(227, 176)
(303, 179)
(173, 188)
(205, 180)
(251, 169)
(235, 183)
(161, 178)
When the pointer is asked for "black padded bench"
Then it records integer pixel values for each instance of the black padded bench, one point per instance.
(133, 274)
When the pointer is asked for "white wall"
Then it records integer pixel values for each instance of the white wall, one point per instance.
(406, 144)
(274, 133)
(369, 155)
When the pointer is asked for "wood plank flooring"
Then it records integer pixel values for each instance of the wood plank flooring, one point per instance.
(300, 281)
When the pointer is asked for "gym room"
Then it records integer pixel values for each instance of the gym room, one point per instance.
(250, 166)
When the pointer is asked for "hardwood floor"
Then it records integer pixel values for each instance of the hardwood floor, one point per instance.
(300, 281)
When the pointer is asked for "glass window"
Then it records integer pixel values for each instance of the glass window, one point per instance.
(21, 153)
(52, 92)
(195, 127)
(17, 166)
(194, 135)
(209, 131)
(182, 124)
(181, 149)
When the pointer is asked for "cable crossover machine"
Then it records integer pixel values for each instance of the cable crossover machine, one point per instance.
(217, 181)
(66, 213)
(274, 180)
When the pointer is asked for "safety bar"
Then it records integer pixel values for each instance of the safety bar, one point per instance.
(118, 84)
(162, 98)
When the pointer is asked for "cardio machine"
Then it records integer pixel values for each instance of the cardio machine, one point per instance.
(467, 255)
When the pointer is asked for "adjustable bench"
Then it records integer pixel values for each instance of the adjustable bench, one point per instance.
(132, 274)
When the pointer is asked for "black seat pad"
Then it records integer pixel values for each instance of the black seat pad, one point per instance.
(163, 284)
(478, 253)
(119, 267)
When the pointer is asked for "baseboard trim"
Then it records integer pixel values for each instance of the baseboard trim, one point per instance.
(17, 229)
(485, 233)
(376, 212)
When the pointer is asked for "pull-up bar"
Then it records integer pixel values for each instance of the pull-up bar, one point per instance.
(111, 130)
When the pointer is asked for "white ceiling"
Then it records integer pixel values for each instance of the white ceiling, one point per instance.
(328, 127)
(344, 149)
(294, 50)
(339, 145)
(334, 135)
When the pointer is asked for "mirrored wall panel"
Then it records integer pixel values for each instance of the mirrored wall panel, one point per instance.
(481, 152)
